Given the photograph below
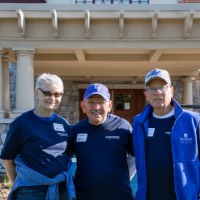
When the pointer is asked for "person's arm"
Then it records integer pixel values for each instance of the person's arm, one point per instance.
(70, 146)
(131, 149)
(10, 170)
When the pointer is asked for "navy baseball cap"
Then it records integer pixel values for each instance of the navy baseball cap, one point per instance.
(157, 73)
(97, 88)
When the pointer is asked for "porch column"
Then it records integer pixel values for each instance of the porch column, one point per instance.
(6, 86)
(1, 85)
(24, 81)
(187, 91)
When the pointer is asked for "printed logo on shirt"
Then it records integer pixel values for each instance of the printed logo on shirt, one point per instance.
(112, 137)
(63, 134)
(58, 127)
(151, 132)
(81, 137)
(57, 149)
(168, 133)
(185, 139)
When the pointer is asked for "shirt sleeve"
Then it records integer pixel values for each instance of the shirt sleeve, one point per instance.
(12, 145)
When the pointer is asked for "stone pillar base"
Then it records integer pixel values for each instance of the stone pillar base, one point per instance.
(2, 114)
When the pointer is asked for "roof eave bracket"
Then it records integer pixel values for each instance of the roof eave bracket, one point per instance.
(54, 22)
(21, 22)
(154, 24)
(87, 23)
(121, 24)
(188, 23)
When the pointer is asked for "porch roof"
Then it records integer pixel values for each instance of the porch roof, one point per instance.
(104, 42)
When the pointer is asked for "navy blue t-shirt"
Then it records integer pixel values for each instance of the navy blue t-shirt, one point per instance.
(101, 152)
(41, 144)
(159, 159)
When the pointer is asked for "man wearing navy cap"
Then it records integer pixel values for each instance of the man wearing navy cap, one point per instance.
(101, 143)
(166, 144)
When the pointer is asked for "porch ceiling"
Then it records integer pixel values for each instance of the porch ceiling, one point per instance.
(119, 64)
(104, 42)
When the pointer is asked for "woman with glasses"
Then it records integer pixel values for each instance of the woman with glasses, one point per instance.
(166, 144)
(34, 151)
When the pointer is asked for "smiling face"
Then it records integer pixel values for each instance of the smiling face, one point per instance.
(51, 102)
(158, 93)
(96, 109)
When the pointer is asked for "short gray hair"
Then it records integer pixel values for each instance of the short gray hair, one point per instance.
(47, 78)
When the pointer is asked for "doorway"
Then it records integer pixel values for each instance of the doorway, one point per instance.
(128, 103)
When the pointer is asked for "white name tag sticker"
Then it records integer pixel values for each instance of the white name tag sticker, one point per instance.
(58, 127)
(151, 132)
(81, 137)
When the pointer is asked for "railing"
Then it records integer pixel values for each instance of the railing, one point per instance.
(189, 1)
(112, 1)
(195, 108)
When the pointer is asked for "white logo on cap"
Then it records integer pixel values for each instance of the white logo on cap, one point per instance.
(97, 87)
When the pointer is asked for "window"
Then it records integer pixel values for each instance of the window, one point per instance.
(123, 102)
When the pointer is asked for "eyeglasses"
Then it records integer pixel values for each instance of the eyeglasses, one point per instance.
(94, 103)
(153, 90)
(49, 94)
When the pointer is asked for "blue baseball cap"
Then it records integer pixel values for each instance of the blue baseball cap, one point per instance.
(157, 73)
(97, 88)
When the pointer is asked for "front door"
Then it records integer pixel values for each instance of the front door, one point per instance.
(126, 103)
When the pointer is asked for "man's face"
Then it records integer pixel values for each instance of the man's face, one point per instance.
(96, 109)
(158, 93)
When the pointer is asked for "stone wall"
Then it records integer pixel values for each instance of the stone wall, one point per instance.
(12, 69)
(178, 90)
(196, 92)
(69, 108)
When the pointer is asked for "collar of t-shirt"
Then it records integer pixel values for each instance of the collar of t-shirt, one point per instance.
(171, 113)
(47, 119)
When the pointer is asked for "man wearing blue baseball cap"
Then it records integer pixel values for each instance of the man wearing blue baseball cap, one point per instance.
(166, 144)
(101, 143)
